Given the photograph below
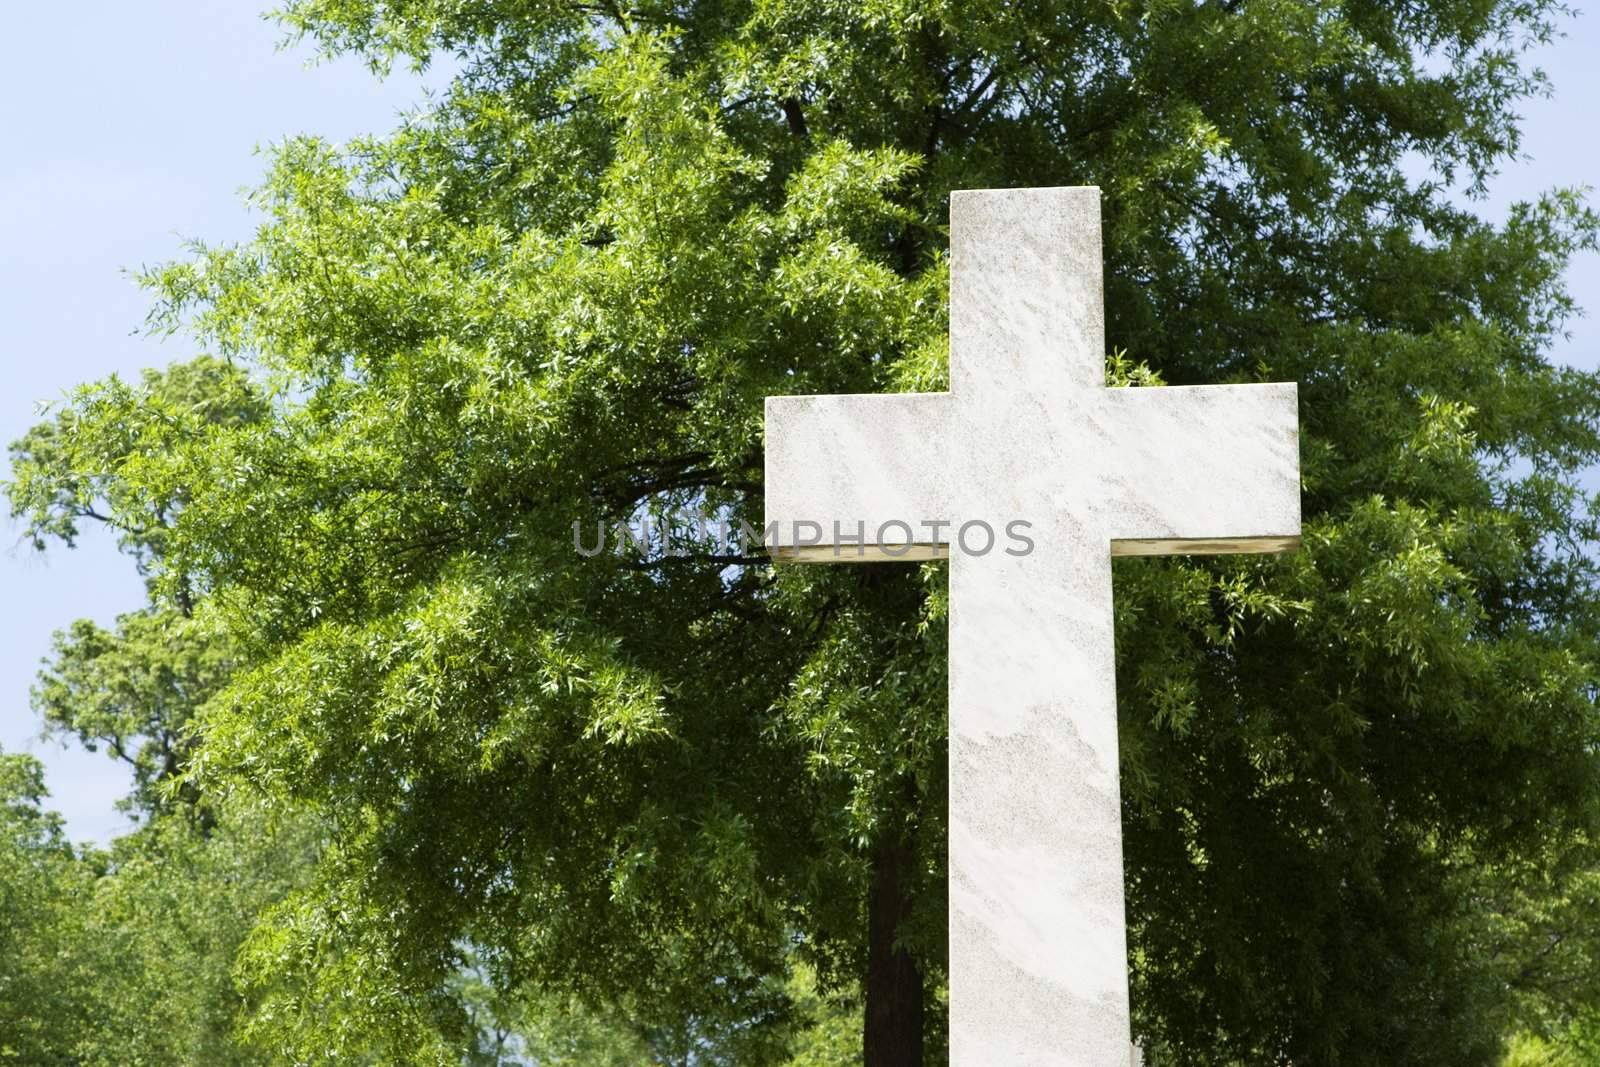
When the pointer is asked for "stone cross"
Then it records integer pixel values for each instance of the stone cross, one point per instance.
(1030, 475)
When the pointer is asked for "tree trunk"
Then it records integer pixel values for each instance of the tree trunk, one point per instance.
(893, 1036)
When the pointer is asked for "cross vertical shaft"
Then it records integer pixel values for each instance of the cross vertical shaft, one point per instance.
(1037, 949)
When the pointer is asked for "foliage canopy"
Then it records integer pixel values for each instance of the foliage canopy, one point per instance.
(559, 293)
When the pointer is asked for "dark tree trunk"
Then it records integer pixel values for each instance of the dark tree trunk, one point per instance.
(893, 1035)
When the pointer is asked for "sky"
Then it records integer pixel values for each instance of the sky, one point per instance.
(127, 129)
(141, 132)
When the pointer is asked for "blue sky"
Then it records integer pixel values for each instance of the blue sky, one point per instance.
(130, 127)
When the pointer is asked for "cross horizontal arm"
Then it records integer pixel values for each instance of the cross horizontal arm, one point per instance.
(1203, 469)
(856, 477)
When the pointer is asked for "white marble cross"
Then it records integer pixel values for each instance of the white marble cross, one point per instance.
(1029, 433)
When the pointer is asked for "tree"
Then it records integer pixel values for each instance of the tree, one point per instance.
(132, 689)
(1541, 920)
(39, 1005)
(559, 295)
(83, 463)
(124, 958)
(158, 930)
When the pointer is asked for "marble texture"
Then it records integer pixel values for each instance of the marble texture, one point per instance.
(1029, 432)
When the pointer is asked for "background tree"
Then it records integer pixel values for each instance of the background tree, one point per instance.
(559, 296)
(1540, 919)
(132, 689)
(127, 955)
(39, 987)
(158, 927)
